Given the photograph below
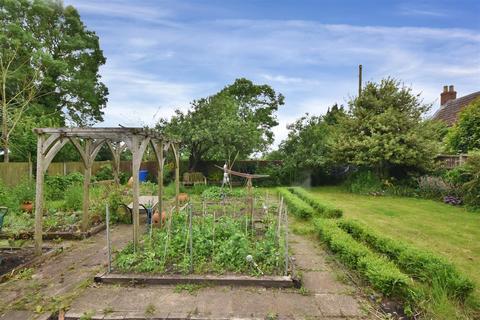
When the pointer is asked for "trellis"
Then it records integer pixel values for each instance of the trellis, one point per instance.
(88, 142)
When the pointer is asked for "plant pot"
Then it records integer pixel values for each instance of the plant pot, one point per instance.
(156, 219)
(27, 206)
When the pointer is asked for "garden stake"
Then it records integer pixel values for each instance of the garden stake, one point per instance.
(190, 239)
(286, 241)
(280, 208)
(168, 235)
(213, 233)
(107, 214)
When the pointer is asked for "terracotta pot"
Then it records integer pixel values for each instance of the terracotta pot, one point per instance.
(156, 219)
(182, 197)
(27, 206)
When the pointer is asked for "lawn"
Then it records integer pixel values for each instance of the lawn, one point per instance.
(450, 231)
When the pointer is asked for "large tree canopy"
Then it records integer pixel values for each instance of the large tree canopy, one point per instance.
(49, 65)
(464, 136)
(307, 149)
(385, 130)
(237, 120)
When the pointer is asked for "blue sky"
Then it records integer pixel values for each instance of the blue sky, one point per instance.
(163, 54)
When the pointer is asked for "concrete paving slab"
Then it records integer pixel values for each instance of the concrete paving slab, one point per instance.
(336, 305)
(323, 282)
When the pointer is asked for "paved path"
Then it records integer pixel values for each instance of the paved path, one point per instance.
(323, 297)
(57, 281)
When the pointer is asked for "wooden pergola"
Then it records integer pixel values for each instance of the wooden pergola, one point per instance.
(88, 142)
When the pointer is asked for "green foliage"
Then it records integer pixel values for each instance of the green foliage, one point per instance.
(385, 130)
(471, 187)
(50, 65)
(55, 186)
(236, 120)
(432, 187)
(24, 191)
(296, 205)
(464, 136)
(74, 197)
(419, 264)
(216, 193)
(325, 211)
(381, 273)
(105, 173)
(218, 246)
(364, 182)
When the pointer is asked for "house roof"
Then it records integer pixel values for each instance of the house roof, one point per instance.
(448, 112)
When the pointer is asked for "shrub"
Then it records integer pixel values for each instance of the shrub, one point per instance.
(324, 210)
(74, 198)
(105, 173)
(381, 273)
(364, 182)
(421, 265)
(296, 205)
(56, 185)
(435, 187)
(24, 191)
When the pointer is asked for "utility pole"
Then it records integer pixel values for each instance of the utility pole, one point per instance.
(359, 80)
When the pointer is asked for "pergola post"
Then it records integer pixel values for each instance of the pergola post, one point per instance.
(158, 150)
(177, 175)
(87, 174)
(138, 148)
(39, 195)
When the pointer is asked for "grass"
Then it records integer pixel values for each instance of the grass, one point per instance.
(452, 232)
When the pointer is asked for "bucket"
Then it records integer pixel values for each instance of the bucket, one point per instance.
(142, 175)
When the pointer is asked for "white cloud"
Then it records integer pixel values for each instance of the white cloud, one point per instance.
(166, 62)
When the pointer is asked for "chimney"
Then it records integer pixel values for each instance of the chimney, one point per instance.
(448, 94)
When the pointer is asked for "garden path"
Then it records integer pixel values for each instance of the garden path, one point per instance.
(324, 296)
(60, 279)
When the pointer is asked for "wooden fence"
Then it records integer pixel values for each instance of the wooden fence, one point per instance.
(13, 172)
(451, 161)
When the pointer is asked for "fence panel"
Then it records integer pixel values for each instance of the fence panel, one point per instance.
(13, 172)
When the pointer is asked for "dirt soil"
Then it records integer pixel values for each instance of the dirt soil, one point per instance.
(10, 259)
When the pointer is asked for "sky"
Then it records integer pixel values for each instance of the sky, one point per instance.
(163, 54)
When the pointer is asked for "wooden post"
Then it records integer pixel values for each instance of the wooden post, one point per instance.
(160, 181)
(86, 184)
(39, 195)
(135, 189)
(177, 175)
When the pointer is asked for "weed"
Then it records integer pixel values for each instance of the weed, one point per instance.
(191, 288)
(150, 310)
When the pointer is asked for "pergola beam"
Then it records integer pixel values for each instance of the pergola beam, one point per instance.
(51, 140)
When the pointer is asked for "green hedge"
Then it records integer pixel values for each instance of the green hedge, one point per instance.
(324, 210)
(421, 265)
(296, 205)
(381, 273)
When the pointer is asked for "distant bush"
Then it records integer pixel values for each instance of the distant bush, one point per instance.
(56, 185)
(297, 206)
(323, 209)
(381, 273)
(105, 173)
(24, 191)
(74, 197)
(432, 187)
(419, 264)
(364, 182)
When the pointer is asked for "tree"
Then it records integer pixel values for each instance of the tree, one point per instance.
(235, 122)
(49, 65)
(307, 148)
(384, 130)
(464, 136)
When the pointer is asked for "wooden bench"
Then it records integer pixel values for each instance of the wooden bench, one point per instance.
(193, 178)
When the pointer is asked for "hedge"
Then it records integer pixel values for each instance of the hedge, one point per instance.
(297, 206)
(420, 264)
(324, 210)
(381, 273)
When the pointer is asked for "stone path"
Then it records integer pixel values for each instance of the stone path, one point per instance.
(57, 281)
(323, 296)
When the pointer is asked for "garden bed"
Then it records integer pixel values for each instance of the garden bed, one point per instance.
(52, 235)
(211, 238)
(13, 260)
(219, 280)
